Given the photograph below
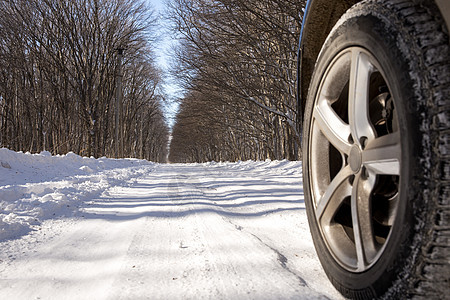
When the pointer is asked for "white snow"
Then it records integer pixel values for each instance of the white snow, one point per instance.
(73, 227)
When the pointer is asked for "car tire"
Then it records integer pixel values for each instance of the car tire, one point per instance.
(375, 152)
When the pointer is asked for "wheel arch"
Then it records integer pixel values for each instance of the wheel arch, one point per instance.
(319, 18)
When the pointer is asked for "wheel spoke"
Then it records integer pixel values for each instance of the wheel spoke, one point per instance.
(335, 193)
(362, 220)
(334, 129)
(358, 107)
(382, 155)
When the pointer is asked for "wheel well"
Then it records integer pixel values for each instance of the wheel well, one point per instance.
(321, 16)
(320, 19)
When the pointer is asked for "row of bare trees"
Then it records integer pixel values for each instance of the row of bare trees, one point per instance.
(58, 75)
(237, 61)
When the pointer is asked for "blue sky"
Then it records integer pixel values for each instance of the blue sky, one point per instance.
(158, 4)
(163, 51)
(163, 47)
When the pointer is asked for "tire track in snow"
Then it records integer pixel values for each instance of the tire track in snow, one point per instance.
(184, 232)
(282, 260)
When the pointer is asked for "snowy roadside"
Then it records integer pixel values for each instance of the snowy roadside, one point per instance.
(37, 187)
(84, 228)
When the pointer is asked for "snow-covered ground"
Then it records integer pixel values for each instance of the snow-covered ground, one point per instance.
(84, 228)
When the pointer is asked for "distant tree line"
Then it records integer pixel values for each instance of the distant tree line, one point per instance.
(58, 72)
(237, 62)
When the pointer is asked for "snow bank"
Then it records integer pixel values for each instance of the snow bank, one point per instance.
(35, 187)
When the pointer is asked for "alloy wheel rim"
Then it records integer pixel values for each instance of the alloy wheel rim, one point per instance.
(355, 158)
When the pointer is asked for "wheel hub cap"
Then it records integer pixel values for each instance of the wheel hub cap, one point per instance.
(355, 159)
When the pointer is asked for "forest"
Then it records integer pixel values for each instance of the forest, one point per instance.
(59, 74)
(237, 62)
(81, 76)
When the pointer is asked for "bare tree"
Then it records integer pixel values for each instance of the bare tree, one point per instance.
(58, 65)
(241, 55)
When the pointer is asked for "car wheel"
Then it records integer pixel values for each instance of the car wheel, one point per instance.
(375, 154)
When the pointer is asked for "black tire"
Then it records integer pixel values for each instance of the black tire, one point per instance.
(377, 184)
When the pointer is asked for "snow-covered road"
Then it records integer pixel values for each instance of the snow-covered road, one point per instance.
(197, 231)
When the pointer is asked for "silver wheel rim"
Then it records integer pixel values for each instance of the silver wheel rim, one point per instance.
(354, 159)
